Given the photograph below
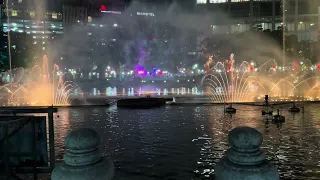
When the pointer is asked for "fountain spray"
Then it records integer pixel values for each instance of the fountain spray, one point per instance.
(284, 38)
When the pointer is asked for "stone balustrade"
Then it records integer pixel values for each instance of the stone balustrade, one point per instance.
(83, 159)
(244, 160)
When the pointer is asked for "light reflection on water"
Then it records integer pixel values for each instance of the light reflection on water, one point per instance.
(184, 142)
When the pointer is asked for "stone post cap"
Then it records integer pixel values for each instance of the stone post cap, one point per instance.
(83, 159)
(244, 160)
(245, 139)
(82, 140)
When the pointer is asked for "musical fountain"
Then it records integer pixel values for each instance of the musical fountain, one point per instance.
(38, 87)
(225, 82)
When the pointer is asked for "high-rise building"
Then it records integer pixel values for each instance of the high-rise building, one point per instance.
(31, 17)
(73, 15)
(300, 16)
(87, 11)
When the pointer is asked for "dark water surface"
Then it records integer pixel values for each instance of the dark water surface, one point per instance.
(185, 142)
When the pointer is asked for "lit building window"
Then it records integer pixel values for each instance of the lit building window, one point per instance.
(201, 1)
(14, 12)
(239, 0)
(89, 19)
(32, 14)
(145, 14)
(19, 1)
(54, 16)
(218, 1)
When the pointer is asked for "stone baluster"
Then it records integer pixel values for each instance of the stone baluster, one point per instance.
(83, 159)
(244, 160)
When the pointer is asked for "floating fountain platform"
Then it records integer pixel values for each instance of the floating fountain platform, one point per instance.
(230, 110)
(278, 118)
(141, 103)
(266, 112)
(294, 109)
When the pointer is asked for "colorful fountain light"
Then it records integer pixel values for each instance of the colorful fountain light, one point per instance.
(165, 92)
(140, 71)
(295, 65)
(38, 86)
(226, 82)
(111, 91)
(159, 73)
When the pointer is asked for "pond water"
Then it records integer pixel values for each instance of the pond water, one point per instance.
(185, 142)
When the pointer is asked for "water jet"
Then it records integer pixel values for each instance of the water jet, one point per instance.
(229, 81)
(39, 87)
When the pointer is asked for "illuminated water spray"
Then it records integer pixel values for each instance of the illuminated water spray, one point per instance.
(165, 92)
(37, 88)
(172, 91)
(226, 82)
(284, 6)
(195, 91)
(123, 91)
(115, 92)
(140, 91)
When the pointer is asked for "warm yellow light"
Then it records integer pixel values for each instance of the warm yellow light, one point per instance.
(14, 12)
(32, 14)
(89, 19)
(54, 16)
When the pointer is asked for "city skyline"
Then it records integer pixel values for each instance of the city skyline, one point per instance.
(95, 17)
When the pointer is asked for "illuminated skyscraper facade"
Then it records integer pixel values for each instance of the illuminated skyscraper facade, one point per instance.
(300, 16)
(31, 17)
